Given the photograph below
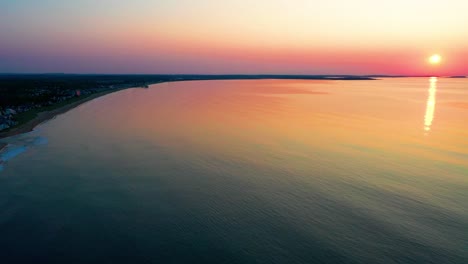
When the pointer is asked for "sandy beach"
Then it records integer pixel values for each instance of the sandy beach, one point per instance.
(47, 115)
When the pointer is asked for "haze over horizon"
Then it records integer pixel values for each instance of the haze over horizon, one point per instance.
(360, 37)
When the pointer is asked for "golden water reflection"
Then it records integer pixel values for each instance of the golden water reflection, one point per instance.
(430, 106)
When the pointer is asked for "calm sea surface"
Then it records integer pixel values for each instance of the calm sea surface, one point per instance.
(267, 171)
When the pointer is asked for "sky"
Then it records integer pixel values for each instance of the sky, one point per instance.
(234, 36)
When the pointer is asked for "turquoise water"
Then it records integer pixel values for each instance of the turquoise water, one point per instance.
(245, 172)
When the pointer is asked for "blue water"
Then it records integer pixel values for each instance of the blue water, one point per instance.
(245, 172)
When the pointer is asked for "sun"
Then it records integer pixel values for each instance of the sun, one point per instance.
(435, 59)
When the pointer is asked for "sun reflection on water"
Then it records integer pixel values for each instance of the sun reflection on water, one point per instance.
(430, 106)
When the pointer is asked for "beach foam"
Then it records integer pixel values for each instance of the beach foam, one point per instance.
(12, 152)
(18, 147)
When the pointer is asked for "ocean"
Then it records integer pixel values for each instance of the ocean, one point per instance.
(254, 171)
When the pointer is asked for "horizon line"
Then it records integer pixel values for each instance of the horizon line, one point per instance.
(235, 74)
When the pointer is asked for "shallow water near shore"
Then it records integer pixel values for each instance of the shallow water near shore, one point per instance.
(263, 171)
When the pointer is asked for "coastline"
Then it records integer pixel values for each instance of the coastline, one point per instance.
(47, 115)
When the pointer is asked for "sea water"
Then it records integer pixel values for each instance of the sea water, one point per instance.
(257, 171)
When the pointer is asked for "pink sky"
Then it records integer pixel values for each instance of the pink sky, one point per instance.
(276, 36)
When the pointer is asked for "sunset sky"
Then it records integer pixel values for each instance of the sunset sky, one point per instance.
(234, 36)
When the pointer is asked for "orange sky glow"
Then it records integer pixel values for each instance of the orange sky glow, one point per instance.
(292, 37)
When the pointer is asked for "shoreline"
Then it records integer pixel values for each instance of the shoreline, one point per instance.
(44, 116)
(47, 115)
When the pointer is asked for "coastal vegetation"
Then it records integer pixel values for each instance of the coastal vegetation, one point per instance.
(25, 96)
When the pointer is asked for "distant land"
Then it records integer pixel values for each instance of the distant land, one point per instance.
(28, 99)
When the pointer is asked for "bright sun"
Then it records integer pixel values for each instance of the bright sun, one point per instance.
(435, 59)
